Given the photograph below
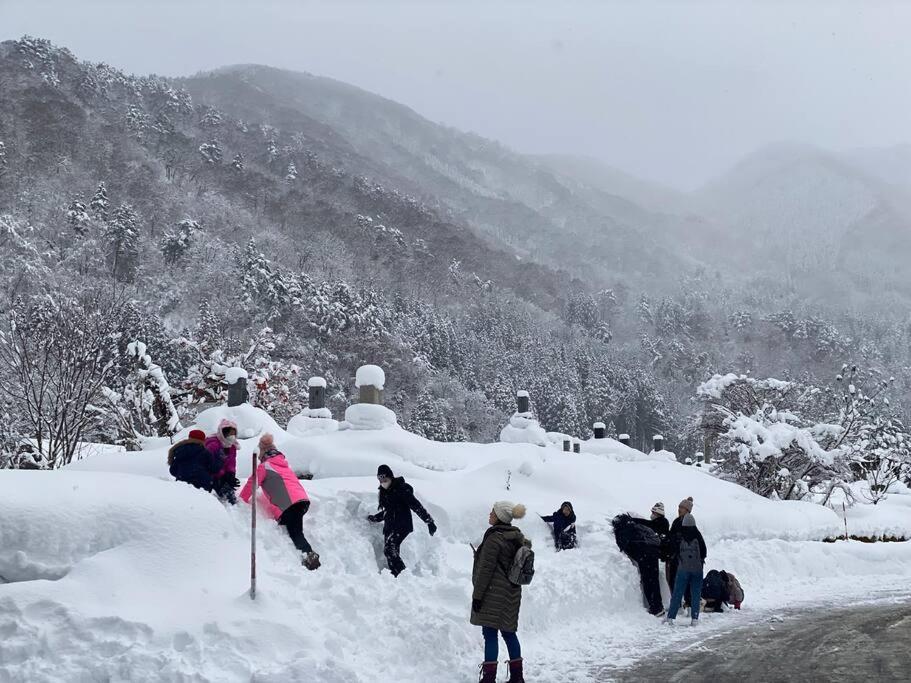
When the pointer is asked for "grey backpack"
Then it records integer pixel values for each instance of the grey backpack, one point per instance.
(690, 556)
(522, 569)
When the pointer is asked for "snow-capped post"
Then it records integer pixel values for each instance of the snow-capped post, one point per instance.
(316, 393)
(567, 445)
(657, 443)
(700, 459)
(688, 461)
(522, 406)
(599, 429)
(253, 531)
(370, 380)
(577, 446)
(624, 439)
(236, 379)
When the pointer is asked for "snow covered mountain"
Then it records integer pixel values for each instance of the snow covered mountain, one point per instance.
(833, 230)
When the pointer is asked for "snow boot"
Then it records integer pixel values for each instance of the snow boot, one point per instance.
(488, 673)
(667, 622)
(515, 671)
(694, 622)
(311, 561)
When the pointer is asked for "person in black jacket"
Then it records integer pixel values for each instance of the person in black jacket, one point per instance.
(396, 504)
(191, 462)
(642, 545)
(564, 521)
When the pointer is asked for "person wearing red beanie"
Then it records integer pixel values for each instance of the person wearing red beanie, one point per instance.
(191, 462)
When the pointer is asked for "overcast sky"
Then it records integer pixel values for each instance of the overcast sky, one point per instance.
(674, 92)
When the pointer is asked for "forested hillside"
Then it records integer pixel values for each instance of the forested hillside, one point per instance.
(297, 226)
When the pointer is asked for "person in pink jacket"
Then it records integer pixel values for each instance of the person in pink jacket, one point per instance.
(223, 447)
(286, 499)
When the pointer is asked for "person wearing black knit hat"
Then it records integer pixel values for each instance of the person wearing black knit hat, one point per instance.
(396, 502)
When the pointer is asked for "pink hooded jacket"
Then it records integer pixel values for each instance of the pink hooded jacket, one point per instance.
(227, 455)
(279, 485)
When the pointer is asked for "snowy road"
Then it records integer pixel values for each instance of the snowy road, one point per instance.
(862, 643)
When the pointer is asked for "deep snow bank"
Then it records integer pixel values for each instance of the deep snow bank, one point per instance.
(152, 573)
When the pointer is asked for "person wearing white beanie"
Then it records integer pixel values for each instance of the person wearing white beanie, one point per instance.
(495, 600)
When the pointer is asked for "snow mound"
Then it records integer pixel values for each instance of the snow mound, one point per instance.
(312, 421)
(524, 428)
(370, 416)
(234, 374)
(251, 422)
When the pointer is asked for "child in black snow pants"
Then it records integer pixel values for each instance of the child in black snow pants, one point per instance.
(396, 504)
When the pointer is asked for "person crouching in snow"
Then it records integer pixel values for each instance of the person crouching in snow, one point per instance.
(396, 501)
(564, 523)
(495, 600)
(223, 447)
(690, 554)
(287, 500)
(191, 462)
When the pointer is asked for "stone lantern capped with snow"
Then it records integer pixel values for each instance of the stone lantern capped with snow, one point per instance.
(370, 381)
(522, 403)
(236, 379)
(657, 443)
(624, 439)
(599, 429)
(316, 393)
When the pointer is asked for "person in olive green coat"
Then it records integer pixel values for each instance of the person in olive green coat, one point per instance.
(495, 600)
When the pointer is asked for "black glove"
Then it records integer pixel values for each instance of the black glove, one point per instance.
(431, 527)
(372, 518)
(232, 480)
(475, 605)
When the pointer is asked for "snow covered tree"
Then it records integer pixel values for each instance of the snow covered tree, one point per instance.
(176, 243)
(100, 203)
(211, 152)
(144, 407)
(122, 232)
(55, 357)
(237, 163)
(291, 173)
(78, 218)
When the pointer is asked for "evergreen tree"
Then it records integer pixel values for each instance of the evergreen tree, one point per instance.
(123, 235)
(99, 203)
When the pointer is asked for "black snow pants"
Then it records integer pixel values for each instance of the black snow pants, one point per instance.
(651, 586)
(293, 521)
(391, 549)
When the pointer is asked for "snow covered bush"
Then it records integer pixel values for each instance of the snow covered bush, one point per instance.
(55, 357)
(144, 407)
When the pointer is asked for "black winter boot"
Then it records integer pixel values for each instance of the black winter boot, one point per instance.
(515, 671)
(488, 672)
(311, 561)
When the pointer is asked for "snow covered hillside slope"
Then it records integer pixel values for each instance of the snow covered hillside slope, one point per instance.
(118, 573)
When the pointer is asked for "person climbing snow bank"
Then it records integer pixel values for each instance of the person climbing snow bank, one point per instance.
(638, 540)
(223, 447)
(495, 598)
(396, 502)
(564, 526)
(191, 462)
(287, 500)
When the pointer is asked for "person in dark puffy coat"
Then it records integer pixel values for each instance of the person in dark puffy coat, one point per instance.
(495, 600)
(396, 503)
(564, 526)
(191, 462)
(642, 545)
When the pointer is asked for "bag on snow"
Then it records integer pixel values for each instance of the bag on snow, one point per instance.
(522, 569)
(713, 588)
(733, 589)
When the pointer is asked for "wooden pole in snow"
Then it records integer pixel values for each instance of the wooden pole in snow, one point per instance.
(253, 532)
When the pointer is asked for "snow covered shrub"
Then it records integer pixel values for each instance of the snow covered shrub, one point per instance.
(144, 407)
(55, 357)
